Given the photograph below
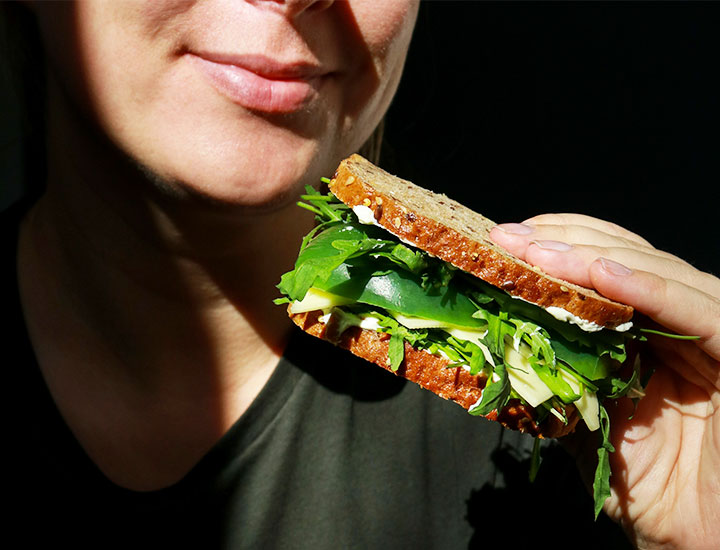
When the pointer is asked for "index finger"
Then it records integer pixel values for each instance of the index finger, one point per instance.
(679, 307)
(589, 222)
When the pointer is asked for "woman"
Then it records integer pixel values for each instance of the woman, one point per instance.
(178, 135)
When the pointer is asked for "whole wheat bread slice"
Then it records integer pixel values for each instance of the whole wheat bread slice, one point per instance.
(454, 233)
(432, 373)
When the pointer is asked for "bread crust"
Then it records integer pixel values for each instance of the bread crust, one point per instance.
(461, 237)
(432, 373)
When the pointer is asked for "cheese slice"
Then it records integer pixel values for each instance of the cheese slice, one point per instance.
(588, 405)
(318, 299)
(523, 378)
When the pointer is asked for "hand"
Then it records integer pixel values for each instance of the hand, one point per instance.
(666, 467)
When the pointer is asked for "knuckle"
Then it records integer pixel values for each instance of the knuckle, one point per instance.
(656, 296)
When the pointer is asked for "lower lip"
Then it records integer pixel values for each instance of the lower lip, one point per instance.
(256, 92)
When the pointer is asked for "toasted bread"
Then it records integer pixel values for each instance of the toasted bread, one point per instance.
(454, 233)
(432, 373)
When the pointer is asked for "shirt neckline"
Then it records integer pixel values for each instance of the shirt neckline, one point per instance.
(250, 425)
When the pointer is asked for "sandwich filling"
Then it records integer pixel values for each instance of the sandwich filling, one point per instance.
(358, 274)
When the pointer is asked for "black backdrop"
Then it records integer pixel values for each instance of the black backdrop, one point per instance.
(609, 109)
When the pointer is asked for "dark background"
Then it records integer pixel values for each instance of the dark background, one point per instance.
(608, 109)
(515, 108)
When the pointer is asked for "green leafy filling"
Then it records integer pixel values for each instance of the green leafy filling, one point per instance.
(384, 278)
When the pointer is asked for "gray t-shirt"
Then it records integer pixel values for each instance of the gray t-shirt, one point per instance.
(333, 453)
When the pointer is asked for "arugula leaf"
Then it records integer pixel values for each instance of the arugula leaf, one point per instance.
(477, 358)
(319, 258)
(414, 260)
(601, 483)
(497, 330)
(553, 380)
(583, 360)
(396, 349)
(668, 334)
(437, 275)
(328, 208)
(495, 395)
(535, 460)
(398, 336)
(619, 388)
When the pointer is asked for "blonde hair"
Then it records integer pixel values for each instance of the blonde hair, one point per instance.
(372, 148)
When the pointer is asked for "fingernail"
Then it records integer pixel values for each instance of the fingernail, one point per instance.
(516, 228)
(615, 268)
(556, 246)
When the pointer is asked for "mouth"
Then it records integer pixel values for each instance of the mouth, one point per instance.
(259, 83)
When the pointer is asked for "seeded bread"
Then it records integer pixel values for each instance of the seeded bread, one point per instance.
(432, 373)
(454, 233)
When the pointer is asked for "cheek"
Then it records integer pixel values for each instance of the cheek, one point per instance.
(385, 25)
(383, 33)
(124, 49)
(104, 55)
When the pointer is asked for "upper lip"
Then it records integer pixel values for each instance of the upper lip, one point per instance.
(267, 67)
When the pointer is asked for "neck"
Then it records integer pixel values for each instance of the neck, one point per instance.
(164, 298)
(142, 265)
(119, 240)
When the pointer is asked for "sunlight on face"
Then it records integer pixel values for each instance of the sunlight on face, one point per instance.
(241, 102)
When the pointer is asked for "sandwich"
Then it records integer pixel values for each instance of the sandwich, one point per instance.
(409, 280)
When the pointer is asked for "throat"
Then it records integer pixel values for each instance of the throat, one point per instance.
(146, 381)
(147, 423)
(156, 442)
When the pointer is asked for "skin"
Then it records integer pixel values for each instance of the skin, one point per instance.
(665, 484)
(148, 268)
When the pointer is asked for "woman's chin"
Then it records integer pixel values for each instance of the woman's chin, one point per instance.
(232, 192)
(235, 179)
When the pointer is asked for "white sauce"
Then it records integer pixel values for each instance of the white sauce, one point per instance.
(370, 323)
(364, 214)
(563, 315)
(588, 326)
